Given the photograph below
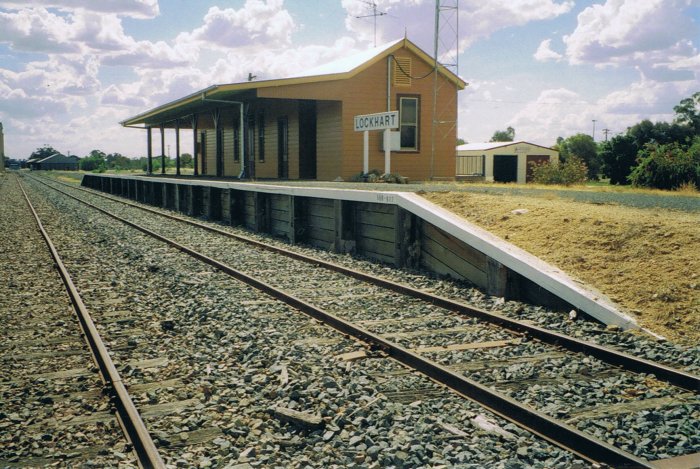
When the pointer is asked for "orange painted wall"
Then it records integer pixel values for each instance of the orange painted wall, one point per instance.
(339, 148)
(365, 93)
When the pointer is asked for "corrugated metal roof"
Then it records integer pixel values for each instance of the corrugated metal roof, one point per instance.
(60, 158)
(339, 69)
(482, 146)
(347, 64)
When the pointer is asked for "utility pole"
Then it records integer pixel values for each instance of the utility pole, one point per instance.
(594, 130)
(606, 131)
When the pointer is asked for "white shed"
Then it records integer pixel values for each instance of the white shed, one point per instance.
(502, 161)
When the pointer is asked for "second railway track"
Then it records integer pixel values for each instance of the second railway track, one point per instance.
(55, 411)
(555, 382)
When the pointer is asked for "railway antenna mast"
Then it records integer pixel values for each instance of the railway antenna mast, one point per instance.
(373, 5)
(446, 51)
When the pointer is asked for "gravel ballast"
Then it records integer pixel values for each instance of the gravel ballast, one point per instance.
(52, 410)
(222, 355)
(213, 297)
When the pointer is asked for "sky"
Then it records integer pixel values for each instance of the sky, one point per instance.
(71, 70)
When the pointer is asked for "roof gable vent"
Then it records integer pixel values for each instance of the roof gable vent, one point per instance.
(402, 71)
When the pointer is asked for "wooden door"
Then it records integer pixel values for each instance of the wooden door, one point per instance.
(534, 160)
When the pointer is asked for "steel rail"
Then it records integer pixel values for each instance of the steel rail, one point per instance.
(130, 419)
(626, 361)
(553, 430)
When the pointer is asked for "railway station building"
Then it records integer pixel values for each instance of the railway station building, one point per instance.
(302, 127)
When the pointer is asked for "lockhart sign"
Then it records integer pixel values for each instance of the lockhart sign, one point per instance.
(378, 121)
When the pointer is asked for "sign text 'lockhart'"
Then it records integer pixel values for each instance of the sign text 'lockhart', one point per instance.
(379, 121)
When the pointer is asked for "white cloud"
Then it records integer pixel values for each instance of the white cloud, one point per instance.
(562, 112)
(555, 112)
(479, 19)
(151, 55)
(132, 8)
(123, 95)
(18, 104)
(646, 98)
(258, 22)
(278, 63)
(37, 30)
(61, 78)
(99, 32)
(634, 32)
(85, 33)
(484, 18)
(545, 53)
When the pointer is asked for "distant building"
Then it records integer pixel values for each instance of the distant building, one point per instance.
(56, 162)
(501, 161)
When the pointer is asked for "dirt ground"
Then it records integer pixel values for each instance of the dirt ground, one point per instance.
(645, 260)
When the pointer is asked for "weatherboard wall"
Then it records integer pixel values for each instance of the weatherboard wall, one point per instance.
(402, 229)
(340, 148)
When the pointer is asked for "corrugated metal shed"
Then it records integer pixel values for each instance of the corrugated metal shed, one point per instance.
(57, 162)
(502, 161)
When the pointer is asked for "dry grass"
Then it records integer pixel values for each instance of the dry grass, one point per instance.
(647, 261)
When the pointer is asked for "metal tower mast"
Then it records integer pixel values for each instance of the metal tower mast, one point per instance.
(446, 51)
(373, 5)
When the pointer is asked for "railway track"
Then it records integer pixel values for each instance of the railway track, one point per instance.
(506, 365)
(215, 367)
(62, 400)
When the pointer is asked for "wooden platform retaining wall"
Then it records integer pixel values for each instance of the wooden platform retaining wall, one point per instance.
(401, 229)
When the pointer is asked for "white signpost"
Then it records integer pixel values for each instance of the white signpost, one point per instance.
(379, 121)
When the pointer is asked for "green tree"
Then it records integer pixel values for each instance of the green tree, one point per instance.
(117, 161)
(688, 112)
(583, 147)
(668, 166)
(186, 160)
(619, 157)
(43, 152)
(507, 135)
(94, 161)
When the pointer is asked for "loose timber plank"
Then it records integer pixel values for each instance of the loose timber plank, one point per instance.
(470, 346)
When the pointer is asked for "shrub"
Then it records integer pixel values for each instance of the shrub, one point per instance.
(688, 188)
(375, 175)
(395, 178)
(584, 148)
(359, 177)
(572, 171)
(667, 166)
